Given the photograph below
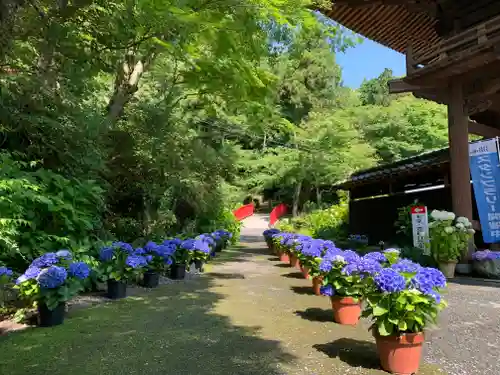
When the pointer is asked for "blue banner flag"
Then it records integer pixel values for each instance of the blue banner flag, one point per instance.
(485, 173)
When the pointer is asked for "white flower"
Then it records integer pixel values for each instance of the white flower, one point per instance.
(460, 226)
(463, 220)
(471, 231)
(450, 215)
(449, 230)
(338, 258)
(435, 214)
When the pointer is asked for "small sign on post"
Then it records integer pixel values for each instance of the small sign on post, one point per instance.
(420, 226)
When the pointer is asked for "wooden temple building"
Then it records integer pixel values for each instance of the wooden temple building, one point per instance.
(452, 50)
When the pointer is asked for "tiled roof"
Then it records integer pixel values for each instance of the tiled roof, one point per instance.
(404, 166)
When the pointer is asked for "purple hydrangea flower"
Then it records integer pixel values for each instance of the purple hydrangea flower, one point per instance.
(390, 281)
(327, 290)
(486, 255)
(351, 256)
(80, 270)
(46, 260)
(369, 266)
(406, 265)
(52, 277)
(32, 272)
(427, 279)
(136, 261)
(325, 265)
(376, 256)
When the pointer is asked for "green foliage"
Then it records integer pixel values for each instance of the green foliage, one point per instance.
(407, 311)
(329, 223)
(42, 211)
(403, 312)
(449, 235)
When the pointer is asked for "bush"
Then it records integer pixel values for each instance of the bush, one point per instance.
(329, 223)
(42, 211)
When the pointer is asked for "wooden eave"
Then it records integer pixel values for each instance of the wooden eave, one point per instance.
(394, 24)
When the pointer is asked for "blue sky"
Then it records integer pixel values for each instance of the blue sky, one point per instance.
(368, 60)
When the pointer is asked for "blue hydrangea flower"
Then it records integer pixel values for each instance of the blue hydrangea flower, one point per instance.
(201, 246)
(149, 258)
(327, 290)
(351, 256)
(325, 265)
(52, 277)
(369, 266)
(390, 281)
(4, 271)
(126, 247)
(427, 279)
(405, 265)
(139, 251)
(136, 261)
(106, 254)
(376, 256)
(32, 272)
(46, 260)
(64, 254)
(80, 270)
(312, 248)
(436, 296)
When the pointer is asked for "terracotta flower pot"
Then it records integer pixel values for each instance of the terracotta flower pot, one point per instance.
(400, 354)
(294, 261)
(305, 272)
(346, 310)
(448, 268)
(317, 283)
(284, 258)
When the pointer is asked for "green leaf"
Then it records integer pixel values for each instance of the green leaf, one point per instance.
(385, 328)
(402, 325)
(379, 311)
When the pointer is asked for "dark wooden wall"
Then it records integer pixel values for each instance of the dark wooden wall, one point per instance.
(375, 217)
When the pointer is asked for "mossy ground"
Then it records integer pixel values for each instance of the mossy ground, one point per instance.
(246, 315)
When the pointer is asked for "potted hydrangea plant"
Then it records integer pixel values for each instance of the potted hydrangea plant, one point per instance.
(120, 263)
(345, 282)
(182, 257)
(50, 281)
(158, 257)
(487, 263)
(268, 236)
(403, 299)
(200, 250)
(449, 238)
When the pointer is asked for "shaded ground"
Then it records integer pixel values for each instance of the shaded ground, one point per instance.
(247, 315)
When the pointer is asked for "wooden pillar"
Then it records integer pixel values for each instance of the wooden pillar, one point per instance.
(459, 153)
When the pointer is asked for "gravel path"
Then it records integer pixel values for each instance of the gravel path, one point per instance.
(247, 315)
(464, 343)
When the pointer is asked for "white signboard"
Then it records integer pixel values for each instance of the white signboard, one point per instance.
(420, 226)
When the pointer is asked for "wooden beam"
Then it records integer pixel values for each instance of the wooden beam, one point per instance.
(458, 134)
(399, 86)
(483, 130)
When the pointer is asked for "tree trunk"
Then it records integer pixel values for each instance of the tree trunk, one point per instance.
(296, 199)
(127, 79)
(318, 196)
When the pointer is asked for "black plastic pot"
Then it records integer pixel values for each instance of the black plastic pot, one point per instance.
(151, 279)
(218, 247)
(177, 271)
(117, 289)
(213, 254)
(50, 318)
(198, 265)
